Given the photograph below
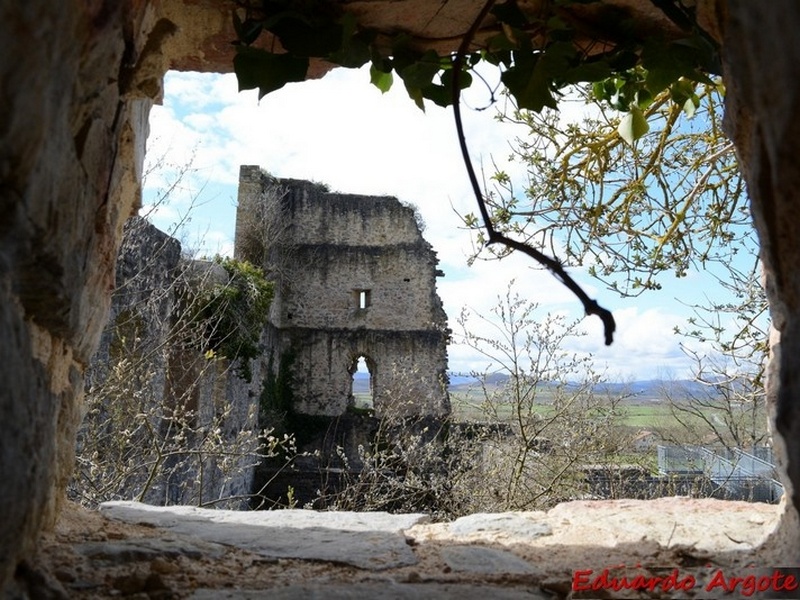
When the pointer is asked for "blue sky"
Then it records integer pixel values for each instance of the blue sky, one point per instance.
(343, 132)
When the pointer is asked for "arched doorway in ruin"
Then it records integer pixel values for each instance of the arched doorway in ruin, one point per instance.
(362, 388)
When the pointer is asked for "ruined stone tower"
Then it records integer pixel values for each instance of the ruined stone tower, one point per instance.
(354, 278)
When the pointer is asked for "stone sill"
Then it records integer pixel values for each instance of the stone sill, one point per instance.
(307, 554)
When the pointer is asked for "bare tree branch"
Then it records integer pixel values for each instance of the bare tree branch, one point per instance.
(591, 307)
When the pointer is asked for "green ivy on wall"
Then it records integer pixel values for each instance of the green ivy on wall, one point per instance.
(277, 396)
(233, 314)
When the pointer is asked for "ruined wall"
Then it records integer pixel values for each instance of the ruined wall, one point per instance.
(354, 278)
(152, 340)
(141, 305)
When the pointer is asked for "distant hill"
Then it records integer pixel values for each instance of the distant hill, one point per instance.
(656, 389)
(652, 390)
(361, 383)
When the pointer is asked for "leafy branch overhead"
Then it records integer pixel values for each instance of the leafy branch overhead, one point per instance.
(672, 203)
(538, 56)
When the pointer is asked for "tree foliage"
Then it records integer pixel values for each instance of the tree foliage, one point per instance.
(561, 424)
(673, 201)
(538, 54)
(730, 409)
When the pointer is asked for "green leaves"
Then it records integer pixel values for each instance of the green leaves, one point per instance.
(667, 63)
(633, 126)
(683, 93)
(354, 50)
(417, 73)
(310, 32)
(380, 79)
(539, 56)
(632, 204)
(233, 314)
(509, 13)
(529, 86)
(256, 68)
(248, 30)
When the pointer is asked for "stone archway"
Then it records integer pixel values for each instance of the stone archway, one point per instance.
(363, 397)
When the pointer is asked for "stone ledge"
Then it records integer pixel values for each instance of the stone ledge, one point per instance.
(707, 525)
(372, 541)
(187, 552)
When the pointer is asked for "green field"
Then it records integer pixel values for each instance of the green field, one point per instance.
(637, 414)
(643, 413)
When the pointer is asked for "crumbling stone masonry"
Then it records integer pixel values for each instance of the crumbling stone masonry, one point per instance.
(355, 278)
(150, 332)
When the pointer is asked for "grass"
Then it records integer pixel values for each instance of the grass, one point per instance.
(647, 416)
(637, 414)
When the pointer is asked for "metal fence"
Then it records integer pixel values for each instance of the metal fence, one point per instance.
(736, 474)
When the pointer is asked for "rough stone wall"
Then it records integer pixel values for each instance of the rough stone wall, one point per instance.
(69, 166)
(149, 331)
(326, 250)
(762, 76)
(142, 304)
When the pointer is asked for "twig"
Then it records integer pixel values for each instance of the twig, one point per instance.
(493, 236)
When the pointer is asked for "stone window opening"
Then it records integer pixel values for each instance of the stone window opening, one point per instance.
(363, 299)
(362, 383)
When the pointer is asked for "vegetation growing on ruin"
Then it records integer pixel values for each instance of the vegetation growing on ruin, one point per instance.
(277, 394)
(234, 313)
(147, 434)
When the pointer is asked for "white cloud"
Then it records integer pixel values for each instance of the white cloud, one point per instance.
(645, 345)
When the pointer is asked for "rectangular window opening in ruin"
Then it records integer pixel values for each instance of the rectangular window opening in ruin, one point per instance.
(363, 297)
